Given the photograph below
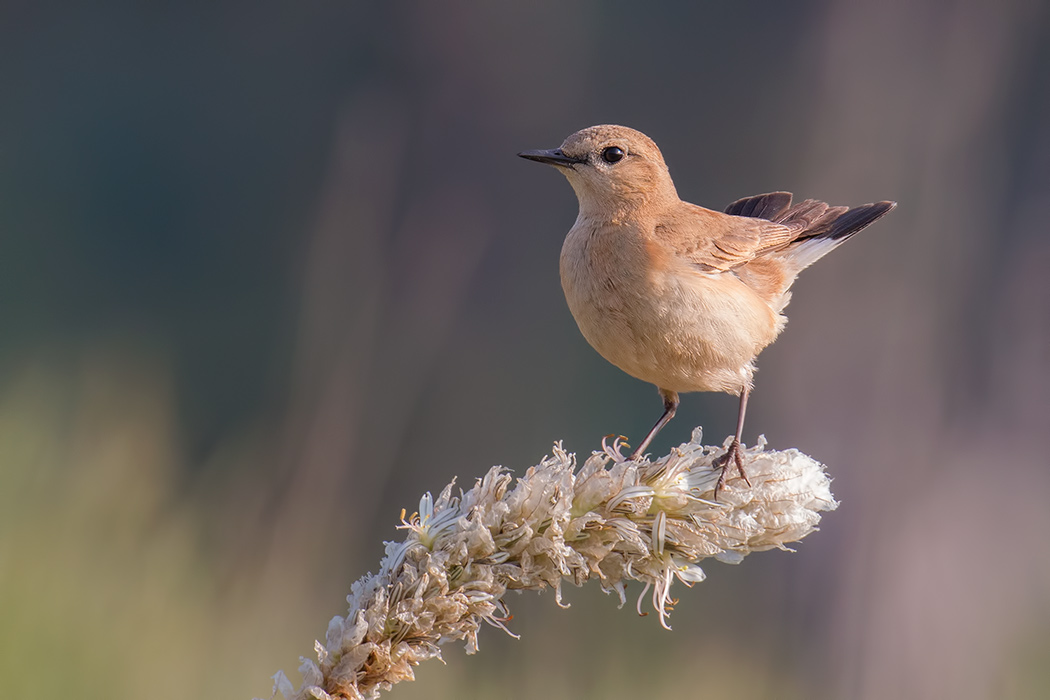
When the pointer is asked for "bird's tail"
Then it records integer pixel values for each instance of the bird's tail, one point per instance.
(817, 229)
(825, 228)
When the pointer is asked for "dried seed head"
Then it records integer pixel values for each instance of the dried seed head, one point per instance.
(614, 520)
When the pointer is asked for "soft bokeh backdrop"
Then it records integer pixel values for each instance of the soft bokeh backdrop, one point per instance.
(269, 271)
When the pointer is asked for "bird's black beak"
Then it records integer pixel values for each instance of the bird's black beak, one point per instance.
(553, 156)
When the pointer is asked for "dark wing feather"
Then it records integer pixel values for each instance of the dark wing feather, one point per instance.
(852, 221)
(761, 206)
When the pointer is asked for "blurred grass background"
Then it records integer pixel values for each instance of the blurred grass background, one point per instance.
(269, 271)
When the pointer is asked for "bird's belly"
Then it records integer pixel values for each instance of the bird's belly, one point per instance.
(681, 330)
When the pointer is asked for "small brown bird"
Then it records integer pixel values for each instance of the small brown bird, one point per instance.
(675, 294)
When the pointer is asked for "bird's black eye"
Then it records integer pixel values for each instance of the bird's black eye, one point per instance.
(613, 154)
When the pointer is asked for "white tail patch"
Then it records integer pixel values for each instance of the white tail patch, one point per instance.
(808, 252)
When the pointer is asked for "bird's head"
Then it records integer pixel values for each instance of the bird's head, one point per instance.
(612, 168)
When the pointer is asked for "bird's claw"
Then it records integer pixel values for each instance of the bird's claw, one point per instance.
(734, 456)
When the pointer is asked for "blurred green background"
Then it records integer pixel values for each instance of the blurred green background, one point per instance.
(269, 271)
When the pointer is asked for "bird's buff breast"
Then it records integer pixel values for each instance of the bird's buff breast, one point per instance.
(658, 318)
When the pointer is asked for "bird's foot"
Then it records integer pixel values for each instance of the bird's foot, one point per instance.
(615, 449)
(733, 456)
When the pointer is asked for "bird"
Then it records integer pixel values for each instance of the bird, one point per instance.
(672, 293)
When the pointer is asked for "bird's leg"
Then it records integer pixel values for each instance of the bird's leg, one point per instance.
(670, 406)
(733, 455)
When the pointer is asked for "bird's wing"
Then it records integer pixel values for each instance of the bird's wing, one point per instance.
(717, 242)
(750, 228)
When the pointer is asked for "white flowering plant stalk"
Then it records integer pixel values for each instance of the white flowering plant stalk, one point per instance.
(614, 520)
